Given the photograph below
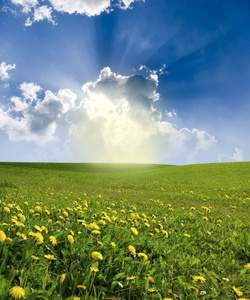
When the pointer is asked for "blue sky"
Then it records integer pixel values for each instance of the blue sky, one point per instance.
(157, 81)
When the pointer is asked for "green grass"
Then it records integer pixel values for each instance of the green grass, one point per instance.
(203, 208)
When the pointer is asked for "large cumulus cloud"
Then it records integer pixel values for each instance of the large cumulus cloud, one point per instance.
(116, 121)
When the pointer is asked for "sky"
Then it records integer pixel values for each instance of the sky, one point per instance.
(138, 81)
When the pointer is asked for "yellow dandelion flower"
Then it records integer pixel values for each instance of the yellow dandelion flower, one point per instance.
(134, 230)
(2, 236)
(6, 209)
(80, 286)
(101, 222)
(100, 243)
(193, 289)
(76, 298)
(199, 278)
(50, 257)
(38, 228)
(96, 255)
(21, 217)
(95, 231)
(247, 267)
(238, 292)
(93, 226)
(9, 240)
(113, 245)
(94, 269)
(151, 290)
(38, 237)
(143, 256)
(17, 292)
(131, 277)
(62, 278)
(53, 240)
(167, 298)
(132, 250)
(151, 279)
(187, 235)
(71, 239)
(35, 257)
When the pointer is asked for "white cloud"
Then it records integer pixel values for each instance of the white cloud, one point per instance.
(84, 7)
(118, 122)
(30, 90)
(170, 114)
(126, 3)
(32, 119)
(237, 156)
(40, 13)
(4, 68)
(26, 4)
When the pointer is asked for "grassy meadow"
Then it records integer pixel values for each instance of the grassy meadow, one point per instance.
(124, 231)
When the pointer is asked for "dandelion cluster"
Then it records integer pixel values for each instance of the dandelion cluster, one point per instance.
(77, 246)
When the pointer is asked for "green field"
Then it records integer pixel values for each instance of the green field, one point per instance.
(188, 227)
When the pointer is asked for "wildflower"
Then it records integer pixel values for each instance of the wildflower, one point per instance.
(35, 257)
(203, 293)
(187, 235)
(6, 209)
(197, 278)
(134, 231)
(151, 290)
(21, 217)
(81, 286)
(62, 278)
(168, 299)
(101, 222)
(113, 245)
(100, 243)
(2, 236)
(76, 298)
(165, 233)
(247, 267)
(94, 269)
(151, 279)
(9, 240)
(208, 232)
(238, 292)
(17, 292)
(226, 279)
(53, 240)
(96, 255)
(93, 226)
(193, 289)
(132, 250)
(205, 218)
(143, 256)
(70, 239)
(50, 257)
(38, 238)
(120, 284)
(131, 278)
